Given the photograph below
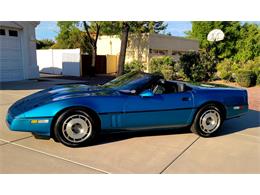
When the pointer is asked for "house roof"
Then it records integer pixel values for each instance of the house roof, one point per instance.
(17, 25)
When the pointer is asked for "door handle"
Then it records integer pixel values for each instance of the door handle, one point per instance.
(185, 99)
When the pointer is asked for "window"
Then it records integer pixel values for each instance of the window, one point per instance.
(174, 53)
(158, 51)
(2, 31)
(163, 52)
(13, 33)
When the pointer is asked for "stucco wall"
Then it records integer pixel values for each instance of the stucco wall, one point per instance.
(108, 45)
(137, 48)
(165, 42)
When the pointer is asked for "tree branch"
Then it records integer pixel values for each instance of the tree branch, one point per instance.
(86, 26)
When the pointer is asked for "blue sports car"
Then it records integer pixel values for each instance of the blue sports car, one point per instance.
(75, 114)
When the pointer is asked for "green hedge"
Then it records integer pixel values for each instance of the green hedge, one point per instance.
(164, 65)
(197, 66)
(227, 69)
(246, 78)
(258, 79)
(133, 66)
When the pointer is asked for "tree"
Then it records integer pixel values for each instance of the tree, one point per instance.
(248, 45)
(71, 36)
(197, 66)
(44, 44)
(223, 49)
(92, 32)
(124, 39)
(241, 42)
(135, 27)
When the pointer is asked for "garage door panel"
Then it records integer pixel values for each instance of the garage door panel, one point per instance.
(10, 76)
(11, 65)
(10, 54)
(10, 42)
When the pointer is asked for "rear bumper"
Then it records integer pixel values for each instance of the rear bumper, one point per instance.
(236, 111)
(26, 125)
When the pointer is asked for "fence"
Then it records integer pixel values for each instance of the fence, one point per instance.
(105, 64)
(59, 61)
(71, 62)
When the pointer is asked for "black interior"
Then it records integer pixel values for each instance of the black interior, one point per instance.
(167, 87)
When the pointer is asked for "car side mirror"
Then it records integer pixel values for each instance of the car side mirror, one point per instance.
(147, 93)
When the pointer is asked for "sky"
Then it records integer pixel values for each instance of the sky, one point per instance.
(49, 29)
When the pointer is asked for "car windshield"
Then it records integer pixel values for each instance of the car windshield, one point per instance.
(130, 81)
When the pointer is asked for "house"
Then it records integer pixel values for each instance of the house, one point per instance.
(143, 47)
(18, 51)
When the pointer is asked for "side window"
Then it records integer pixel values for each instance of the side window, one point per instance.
(2, 31)
(166, 88)
(159, 89)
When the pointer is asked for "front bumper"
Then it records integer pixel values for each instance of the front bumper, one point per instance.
(26, 125)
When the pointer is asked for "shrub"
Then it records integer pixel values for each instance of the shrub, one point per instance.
(164, 65)
(197, 66)
(246, 78)
(258, 79)
(134, 65)
(227, 69)
(253, 65)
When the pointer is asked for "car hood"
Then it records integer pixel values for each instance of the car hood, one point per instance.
(77, 90)
(59, 92)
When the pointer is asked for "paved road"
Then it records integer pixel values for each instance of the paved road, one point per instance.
(235, 150)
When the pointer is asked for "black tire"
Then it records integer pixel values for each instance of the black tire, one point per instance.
(197, 125)
(63, 135)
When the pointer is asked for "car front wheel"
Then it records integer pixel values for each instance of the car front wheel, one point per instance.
(75, 128)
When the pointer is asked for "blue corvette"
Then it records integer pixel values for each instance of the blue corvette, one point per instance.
(75, 114)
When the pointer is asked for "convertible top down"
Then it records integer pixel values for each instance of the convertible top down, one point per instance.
(75, 114)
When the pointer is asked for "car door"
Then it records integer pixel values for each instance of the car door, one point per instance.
(159, 110)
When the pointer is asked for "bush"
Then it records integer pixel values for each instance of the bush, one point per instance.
(164, 65)
(246, 78)
(258, 79)
(253, 65)
(133, 66)
(227, 69)
(198, 66)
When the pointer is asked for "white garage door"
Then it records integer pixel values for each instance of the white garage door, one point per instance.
(11, 67)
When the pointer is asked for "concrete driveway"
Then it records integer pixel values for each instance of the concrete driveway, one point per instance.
(235, 150)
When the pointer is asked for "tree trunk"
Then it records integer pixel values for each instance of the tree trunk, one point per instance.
(93, 62)
(93, 44)
(124, 40)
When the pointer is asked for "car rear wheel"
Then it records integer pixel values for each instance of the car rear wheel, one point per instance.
(75, 128)
(207, 121)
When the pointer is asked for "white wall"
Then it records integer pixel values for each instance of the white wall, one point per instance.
(71, 64)
(51, 60)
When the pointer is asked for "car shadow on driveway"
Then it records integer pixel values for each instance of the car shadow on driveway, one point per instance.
(249, 120)
(109, 137)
